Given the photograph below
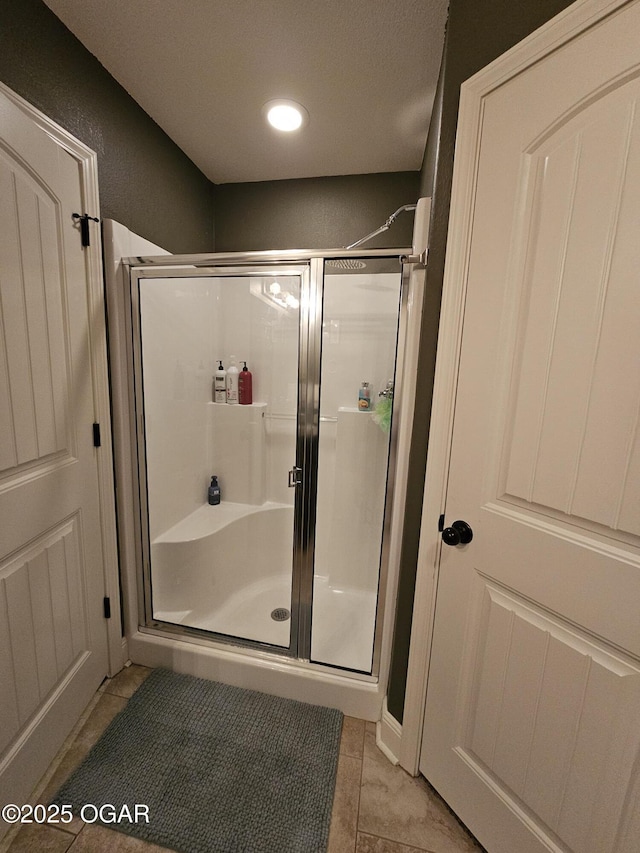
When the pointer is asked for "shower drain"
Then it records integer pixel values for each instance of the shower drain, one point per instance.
(280, 614)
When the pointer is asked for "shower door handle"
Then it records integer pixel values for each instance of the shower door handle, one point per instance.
(295, 477)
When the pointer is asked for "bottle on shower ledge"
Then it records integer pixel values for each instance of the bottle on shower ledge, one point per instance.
(364, 397)
(232, 381)
(220, 384)
(245, 386)
(214, 492)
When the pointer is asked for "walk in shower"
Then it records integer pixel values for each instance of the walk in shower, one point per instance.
(292, 560)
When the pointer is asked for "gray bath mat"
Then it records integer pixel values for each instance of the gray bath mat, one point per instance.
(221, 769)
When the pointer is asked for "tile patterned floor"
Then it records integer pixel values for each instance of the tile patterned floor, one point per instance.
(378, 808)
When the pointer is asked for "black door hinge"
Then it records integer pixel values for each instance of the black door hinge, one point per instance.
(107, 607)
(441, 523)
(97, 441)
(84, 226)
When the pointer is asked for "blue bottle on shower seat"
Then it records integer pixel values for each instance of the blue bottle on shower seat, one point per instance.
(214, 492)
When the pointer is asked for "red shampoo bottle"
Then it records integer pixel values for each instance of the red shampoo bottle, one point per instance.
(245, 386)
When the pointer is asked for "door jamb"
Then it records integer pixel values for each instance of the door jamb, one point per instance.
(88, 166)
(563, 28)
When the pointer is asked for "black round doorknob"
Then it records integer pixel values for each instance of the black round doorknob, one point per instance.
(458, 534)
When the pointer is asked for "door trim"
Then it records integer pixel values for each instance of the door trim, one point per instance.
(88, 165)
(563, 28)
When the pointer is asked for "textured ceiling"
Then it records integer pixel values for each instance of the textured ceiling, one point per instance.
(366, 71)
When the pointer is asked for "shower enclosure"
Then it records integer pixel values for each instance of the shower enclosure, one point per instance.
(292, 560)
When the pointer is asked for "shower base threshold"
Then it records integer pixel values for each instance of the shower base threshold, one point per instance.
(354, 694)
(342, 633)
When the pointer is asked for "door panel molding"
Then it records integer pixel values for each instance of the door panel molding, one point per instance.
(595, 537)
(42, 590)
(566, 370)
(576, 780)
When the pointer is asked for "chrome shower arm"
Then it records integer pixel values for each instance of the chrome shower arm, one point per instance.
(382, 228)
(368, 237)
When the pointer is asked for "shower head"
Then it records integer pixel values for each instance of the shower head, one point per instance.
(346, 264)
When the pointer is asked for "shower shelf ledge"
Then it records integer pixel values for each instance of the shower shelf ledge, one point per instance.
(210, 519)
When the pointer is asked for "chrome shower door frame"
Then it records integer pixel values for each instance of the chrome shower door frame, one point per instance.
(310, 266)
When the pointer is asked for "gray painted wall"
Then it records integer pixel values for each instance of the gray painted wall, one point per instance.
(314, 213)
(146, 182)
(478, 31)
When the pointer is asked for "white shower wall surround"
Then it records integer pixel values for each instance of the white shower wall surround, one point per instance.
(183, 335)
(189, 438)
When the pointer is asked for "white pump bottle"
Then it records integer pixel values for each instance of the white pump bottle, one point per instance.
(232, 381)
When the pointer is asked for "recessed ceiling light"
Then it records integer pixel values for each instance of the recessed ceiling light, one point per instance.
(285, 115)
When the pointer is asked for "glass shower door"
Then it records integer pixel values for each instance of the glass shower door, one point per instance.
(291, 558)
(224, 567)
(360, 319)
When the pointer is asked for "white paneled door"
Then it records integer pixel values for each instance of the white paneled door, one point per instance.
(532, 726)
(53, 635)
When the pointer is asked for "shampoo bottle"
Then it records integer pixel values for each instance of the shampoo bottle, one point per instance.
(245, 386)
(220, 385)
(232, 381)
(214, 492)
